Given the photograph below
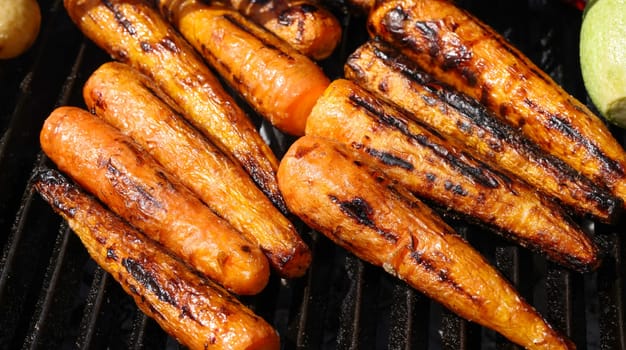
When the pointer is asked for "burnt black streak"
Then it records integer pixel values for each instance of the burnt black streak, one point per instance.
(119, 17)
(50, 181)
(385, 157)
(442, 274)
(395, 21)
(477, 116)
(133, 191)
(263, 180)
(358, 209)
(478, 175)
(145, 278)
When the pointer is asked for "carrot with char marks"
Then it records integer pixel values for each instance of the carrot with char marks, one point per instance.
(434, 169)
(134, 186)
(461, 120)
(132, 31)
(364, 212)
(460, 50)
(305, 25)
(124, 98)
(194, 310)
(278, 82)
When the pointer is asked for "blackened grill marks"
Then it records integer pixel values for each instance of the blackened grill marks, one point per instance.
(263, 180)
(385, 157)
(478, 175)
(134, 192)
(358, 209)
(119, 17)
(47, 182)
(145, 278)
(397, 18)
(442, 274)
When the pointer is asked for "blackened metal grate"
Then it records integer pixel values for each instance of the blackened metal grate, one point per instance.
(52, 296)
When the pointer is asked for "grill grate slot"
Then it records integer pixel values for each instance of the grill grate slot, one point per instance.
(53, 296)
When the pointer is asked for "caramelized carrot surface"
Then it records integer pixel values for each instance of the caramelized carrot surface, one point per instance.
(134, 186)
(124, 98)
(461, 120)
(194, 310)
(462, 51)
(133, 32)
(278, 82)
(434, 169)
(364, 212)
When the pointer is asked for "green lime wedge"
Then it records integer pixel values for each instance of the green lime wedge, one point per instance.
(603, 57)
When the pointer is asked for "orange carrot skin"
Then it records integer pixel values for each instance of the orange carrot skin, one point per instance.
(366, 213)
(133, 185)
(462, 51)
(124, 98)
(303, 24)
(133, 32)
(277, 81)
(196, 311)
(435, 170)
(390, 75)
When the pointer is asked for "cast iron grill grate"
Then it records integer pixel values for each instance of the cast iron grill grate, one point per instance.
(52, 296)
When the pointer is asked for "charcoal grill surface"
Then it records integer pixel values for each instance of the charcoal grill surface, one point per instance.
(52, 296)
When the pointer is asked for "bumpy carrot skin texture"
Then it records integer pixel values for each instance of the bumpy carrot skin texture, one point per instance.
(464, 52)
(133, 185)
(365, 213)
(124, 98)
(134, 32)
(303, 24)
(434, 169)
(278, 82)
(392, 76)
(194, 310)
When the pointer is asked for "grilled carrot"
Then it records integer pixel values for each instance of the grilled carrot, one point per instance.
(194, 310)
(464, 52)
(461, 120)
(363, 212)
(134, 32)
(133, 185)
(278, 82)
(123, 98)
(305, 25)
(437, 171)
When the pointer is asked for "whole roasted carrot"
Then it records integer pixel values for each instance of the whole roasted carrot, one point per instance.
(460, 50)
(278, 82)
(132, 31)
(133, 185)
(194, 310)
(362, 211)
(434, 169)
(124, 98)
(461, 120)
(303, 24)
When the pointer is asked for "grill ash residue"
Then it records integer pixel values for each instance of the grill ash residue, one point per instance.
(146, 279)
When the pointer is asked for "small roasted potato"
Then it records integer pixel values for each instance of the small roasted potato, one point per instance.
(20, 21)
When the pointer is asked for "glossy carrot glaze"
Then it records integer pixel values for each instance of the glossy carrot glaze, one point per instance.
(277, 81)
(461, 120)
(133, 32)
(134, 186)
(366, 213)
(124, 98)
(414, 156)
(462, 51)
(194, 310)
